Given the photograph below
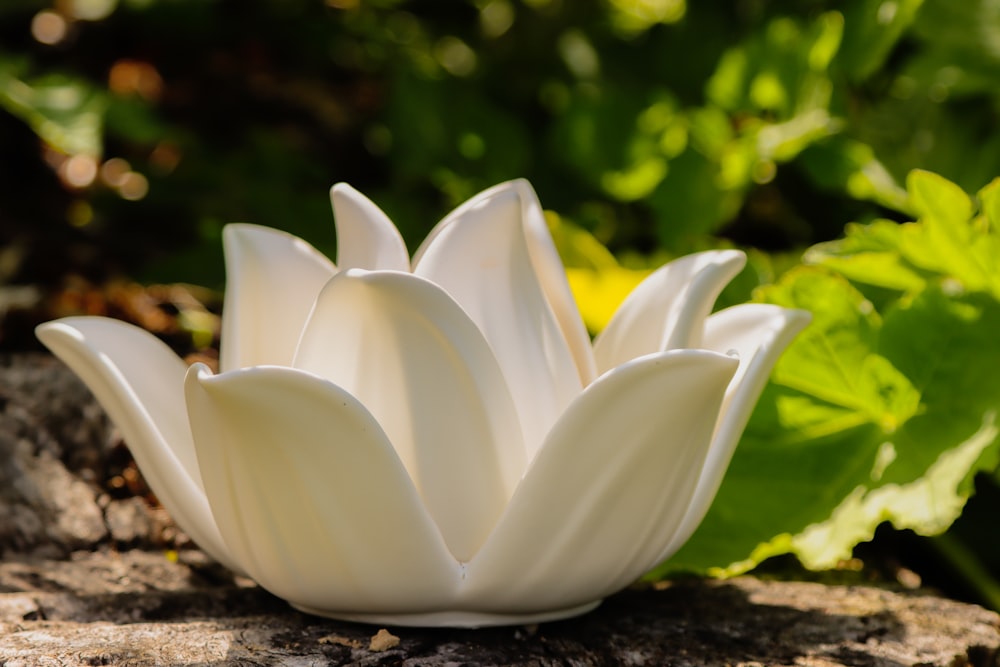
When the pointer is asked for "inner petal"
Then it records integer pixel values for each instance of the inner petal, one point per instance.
(272, 280)
(482, 260)
(413, 357)
(366, 238)
(667, 310)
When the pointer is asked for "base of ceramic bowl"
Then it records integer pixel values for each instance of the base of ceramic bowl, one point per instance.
(452, 619)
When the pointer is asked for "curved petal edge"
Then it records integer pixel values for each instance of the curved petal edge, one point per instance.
(608, 488)
(272, 281)
(758, 334)
(139, 381)
(311, 497)
(366, 238)
(667, 310)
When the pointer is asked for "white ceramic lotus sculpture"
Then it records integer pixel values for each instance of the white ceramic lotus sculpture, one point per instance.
(441, 444)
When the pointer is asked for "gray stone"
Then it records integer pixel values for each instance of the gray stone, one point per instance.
(141, 608)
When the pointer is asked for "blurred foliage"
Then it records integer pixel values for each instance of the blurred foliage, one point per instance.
(134, 129)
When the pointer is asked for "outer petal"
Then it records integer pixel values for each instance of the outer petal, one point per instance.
(310, 495)
(481, 259)
(139, 381)
(609, 487)
(411, 355)
(273, 279)
(668, 309)
(758, 333)
(366, 238)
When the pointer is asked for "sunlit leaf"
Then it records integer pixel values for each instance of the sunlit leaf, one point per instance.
(868, 419)
(67, 113)
(938, 200)
(945, 244)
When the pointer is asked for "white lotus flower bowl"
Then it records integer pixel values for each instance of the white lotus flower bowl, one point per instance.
(438, 442)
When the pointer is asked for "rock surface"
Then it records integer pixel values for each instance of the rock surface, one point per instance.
(89, 576)
(143, 608)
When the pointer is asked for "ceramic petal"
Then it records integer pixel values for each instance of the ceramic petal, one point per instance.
(609, 487)
(310, 495)
(426, 373)
(482, 260)
(273, 279)
(667, 310)
(137, 380)
(552, 277)
(366, 238)
(547, 264)
(758, 334)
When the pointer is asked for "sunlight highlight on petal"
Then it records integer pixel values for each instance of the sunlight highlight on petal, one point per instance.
(481, 259)
(426, 373)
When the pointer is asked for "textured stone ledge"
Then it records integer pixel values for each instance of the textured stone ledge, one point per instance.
(141, 608)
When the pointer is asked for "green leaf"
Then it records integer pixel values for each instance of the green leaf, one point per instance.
(948, 243)
(870, 254)
(782, 71)
(871, 30)
(868, 419)
(65, 112)
(935, 198)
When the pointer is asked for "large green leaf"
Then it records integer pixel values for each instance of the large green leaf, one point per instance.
(868, 419)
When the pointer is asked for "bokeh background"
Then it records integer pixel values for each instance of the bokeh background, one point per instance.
(132, 131)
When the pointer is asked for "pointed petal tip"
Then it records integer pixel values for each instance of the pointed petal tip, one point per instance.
(234, 231)
(795, 321)
(790, 321)
(732, 258)
(71, 330)
(50, 332)
(345, 193)
(342, 188)
(242, 238)
(366, 237)
(802, 317)
(200, 373)
(520, 185)
(505, 193)
(725, 364)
